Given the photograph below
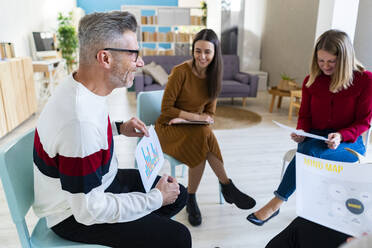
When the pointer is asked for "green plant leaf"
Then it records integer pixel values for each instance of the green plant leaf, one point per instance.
(284, 76)
(67, 39)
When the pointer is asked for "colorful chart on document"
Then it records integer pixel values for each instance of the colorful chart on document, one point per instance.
(149, 158)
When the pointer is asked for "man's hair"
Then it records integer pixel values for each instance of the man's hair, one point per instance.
(102, 29)
(338, 43)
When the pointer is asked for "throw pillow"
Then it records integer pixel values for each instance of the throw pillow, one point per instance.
(148, 79)
(242, 78)
(157, 73)
(143, 68)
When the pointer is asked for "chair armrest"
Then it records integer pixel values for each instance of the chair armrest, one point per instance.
(139, 82)
(249, 79)
(242, 77)
(253, 82)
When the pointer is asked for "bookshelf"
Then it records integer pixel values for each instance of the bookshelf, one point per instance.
(166, 30)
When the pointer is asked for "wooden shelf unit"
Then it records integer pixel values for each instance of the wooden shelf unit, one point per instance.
(166, 30)
(17, 93)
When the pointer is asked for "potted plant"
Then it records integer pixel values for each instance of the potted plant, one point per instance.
(204, 9)
(287, 83)
(67, 39)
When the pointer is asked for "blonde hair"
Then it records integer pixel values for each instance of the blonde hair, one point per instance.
(337, 43)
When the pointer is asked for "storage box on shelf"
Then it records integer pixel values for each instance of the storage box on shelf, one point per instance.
(166, 30)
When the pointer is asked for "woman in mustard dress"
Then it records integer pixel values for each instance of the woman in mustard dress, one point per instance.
(191, 95)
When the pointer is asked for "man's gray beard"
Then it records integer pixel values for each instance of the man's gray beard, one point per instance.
(121, 81)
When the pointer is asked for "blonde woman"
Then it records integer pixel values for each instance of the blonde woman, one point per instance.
(336, 103)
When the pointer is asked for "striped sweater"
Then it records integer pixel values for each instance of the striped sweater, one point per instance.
(75, 162)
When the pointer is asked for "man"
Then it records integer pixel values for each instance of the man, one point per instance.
(78, 186)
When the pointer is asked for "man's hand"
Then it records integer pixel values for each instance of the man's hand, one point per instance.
(129, 128)
(169, 189)
(297, 138)
(334, 140)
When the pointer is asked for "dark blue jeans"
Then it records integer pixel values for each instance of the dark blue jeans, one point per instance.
(319, 149)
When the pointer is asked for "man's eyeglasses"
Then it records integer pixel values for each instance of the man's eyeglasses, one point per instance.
(123, 50)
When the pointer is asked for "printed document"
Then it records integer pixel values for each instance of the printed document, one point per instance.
(300, 132)
(150, 158)
(334, 194)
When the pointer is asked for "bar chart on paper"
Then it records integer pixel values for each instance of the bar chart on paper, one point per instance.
(150, 158)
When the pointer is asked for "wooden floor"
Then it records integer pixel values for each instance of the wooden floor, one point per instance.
(252, 157)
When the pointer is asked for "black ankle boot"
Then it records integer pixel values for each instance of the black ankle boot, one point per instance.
(233, 195)
(192, 208)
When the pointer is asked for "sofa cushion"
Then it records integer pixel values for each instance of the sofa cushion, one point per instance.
(148, 79)
(242, 78)
(230, 66)
(231, 86)
(167, 62)
(154, 87)
(156, 72)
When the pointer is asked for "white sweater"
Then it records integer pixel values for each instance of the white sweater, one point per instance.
(75, 162)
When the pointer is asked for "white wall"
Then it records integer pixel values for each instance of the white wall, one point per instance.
(337, 14)
(345, 16)
(363, 34)
(325, 16)
(251, 35)
(214, 16)
(21, 17)
(288, 38)
(189, 3)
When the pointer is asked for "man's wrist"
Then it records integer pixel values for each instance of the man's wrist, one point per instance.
(118, 124)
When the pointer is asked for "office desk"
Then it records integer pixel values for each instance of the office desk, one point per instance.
(50, 69)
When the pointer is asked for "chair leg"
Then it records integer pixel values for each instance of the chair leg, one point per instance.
(283, 168)
(272, 103)
(279, 102)
(173, 170)
(290, 110)
(222, 200)
(244, 101)
(183, 171)
(288, 156)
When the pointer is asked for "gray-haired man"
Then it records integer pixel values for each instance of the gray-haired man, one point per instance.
(78, 186)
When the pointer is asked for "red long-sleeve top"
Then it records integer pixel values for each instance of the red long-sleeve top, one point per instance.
(348, 111)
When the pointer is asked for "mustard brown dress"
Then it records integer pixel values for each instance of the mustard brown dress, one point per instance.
(187, 143)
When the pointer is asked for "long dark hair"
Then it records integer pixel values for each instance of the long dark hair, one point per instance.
(214, 69)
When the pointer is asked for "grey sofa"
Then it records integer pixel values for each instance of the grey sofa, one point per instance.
(234, 84)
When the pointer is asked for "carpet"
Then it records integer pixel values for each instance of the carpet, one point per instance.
(233, 117)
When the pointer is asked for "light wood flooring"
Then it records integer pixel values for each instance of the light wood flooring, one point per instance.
(252, 157)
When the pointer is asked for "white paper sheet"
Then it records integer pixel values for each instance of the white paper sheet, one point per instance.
(150, 158)
(300, 132)
(334, 194)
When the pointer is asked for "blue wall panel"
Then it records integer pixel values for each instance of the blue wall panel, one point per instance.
(165, 29)
(90, 6)
(147, 12)
(165, 45)
(149, 45)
